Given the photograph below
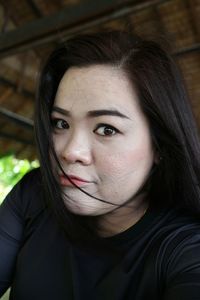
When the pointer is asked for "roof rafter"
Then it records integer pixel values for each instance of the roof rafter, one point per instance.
(193, 16)
(17, 139)
(193, 48)
(19, 120)
(68, 22)
(10, 84)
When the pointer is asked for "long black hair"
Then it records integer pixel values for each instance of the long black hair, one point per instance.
(163, 100)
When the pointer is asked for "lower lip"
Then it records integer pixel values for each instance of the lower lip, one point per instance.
(65, 182)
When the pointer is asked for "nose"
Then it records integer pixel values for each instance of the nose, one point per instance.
(77, 150)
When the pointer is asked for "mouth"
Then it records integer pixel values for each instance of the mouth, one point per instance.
(73, 180)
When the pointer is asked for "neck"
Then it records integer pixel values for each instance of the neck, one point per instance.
(122, 218)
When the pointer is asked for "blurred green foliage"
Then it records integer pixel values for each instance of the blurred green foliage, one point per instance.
(11, 171)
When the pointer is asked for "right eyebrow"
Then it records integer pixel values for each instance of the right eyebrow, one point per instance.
(61, 111)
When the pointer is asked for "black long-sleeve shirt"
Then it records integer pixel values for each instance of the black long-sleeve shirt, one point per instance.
(161, 258)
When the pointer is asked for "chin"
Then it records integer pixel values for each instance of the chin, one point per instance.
(85, 211)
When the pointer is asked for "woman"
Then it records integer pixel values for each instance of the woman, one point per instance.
(113, 212)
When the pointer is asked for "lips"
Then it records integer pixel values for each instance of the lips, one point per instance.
(64, 181)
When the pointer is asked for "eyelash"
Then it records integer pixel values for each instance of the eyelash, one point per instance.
(54, 122)
(107, 126)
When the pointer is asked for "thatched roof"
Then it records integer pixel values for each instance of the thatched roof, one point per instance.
(31, 28)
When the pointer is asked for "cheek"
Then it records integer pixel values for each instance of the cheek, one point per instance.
(125, 163)
(58, 143)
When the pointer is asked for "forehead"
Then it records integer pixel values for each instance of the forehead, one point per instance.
(96, 87)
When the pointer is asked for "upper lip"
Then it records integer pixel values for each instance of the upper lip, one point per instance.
(75, 177)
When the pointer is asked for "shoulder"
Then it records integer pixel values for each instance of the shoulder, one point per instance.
(177, 230)
(33, 177)
(26, 194)
(181, 268)
(30, 183)
(171, 251)
(178, 255)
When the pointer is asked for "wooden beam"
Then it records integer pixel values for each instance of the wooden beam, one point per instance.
(192, 48)
(19, 120)
(16, 139)
(14, 87)
(193, 16)
(4, 96)
(68, 22)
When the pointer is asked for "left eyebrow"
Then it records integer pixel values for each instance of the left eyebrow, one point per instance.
(106, 112)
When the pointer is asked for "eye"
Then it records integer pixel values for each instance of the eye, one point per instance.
(106, 130)
(59, 124)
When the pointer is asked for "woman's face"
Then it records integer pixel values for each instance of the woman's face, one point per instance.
(101, 138)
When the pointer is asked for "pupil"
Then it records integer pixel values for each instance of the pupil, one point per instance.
(63, 124)
(108, 131)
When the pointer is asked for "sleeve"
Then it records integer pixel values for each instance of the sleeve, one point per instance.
(183, 271)
(12, 222)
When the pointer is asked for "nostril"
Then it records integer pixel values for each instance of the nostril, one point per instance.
(78, 156)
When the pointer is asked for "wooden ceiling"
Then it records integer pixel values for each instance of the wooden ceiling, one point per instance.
(30, 29)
